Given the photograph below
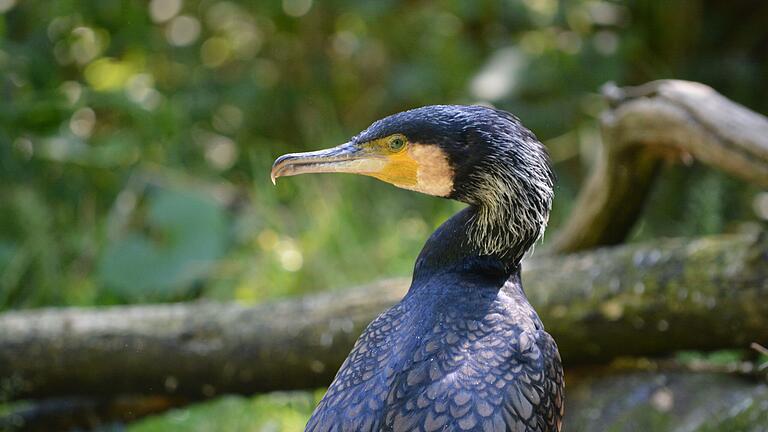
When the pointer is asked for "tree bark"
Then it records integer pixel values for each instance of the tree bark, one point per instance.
(79, 413)
(664, 400)
(663, 120)
(639, 299)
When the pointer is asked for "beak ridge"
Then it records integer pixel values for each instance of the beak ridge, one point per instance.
(347, 157)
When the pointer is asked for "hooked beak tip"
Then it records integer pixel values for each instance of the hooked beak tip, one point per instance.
(278, 168)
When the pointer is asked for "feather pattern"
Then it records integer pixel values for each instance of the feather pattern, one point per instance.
(422, 366)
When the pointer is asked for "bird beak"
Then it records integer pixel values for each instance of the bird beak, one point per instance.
(346, 158)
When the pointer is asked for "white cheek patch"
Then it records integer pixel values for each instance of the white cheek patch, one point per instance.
(434, 175)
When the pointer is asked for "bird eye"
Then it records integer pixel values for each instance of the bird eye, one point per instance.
(396, 143)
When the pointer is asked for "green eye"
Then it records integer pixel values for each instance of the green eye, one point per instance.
(396, 143)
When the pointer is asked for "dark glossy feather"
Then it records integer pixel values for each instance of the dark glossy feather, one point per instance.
(451, 356)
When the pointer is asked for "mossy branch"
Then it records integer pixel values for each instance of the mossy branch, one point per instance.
(638, 299)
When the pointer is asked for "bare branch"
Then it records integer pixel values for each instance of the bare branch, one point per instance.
(661, 120)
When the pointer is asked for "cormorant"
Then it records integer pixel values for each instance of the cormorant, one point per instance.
(463, 350)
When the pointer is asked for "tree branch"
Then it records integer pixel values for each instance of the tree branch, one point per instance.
(664, 400)
(85, 413)
(669, 119)
(638, 299)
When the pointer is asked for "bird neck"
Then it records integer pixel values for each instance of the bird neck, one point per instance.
(484, 239)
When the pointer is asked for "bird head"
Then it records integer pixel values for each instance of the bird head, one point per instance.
(481, 156)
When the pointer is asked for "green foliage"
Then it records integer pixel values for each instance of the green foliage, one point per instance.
(187, 235)
(117, 104)
(280, 412)
(717, 358)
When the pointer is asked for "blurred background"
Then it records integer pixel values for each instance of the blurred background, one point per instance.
(136, 138)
